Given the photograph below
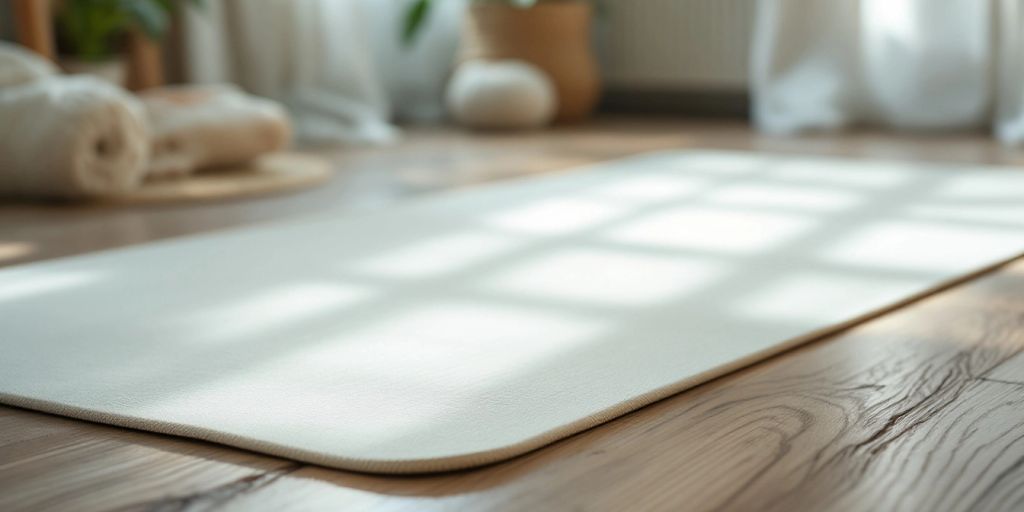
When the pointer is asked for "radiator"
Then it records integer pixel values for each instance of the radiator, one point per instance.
(684, 45)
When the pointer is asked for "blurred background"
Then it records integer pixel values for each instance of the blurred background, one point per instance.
(359, 67)
(353, 102)
(349, 69)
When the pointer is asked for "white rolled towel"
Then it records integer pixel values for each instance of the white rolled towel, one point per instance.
(19, 66)
(70, 137)
(198, 127)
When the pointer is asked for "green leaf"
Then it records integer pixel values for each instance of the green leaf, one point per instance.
(197, 4)
(414, 19)
(91, 28)
(150, 16)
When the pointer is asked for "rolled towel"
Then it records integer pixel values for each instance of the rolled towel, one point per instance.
(19, 66)
(70, 137)
(202, 126)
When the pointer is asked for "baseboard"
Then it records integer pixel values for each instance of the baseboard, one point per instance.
(697, 103)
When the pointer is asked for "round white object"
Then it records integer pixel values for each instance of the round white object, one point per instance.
(505, 94)
(19, 66)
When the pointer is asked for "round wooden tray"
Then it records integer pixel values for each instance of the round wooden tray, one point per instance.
(276, 173)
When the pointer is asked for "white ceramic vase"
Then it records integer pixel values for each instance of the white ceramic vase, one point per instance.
(501, 95)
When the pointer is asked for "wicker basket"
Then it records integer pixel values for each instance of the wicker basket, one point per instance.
(552, 35)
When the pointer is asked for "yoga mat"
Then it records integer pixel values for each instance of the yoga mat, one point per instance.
(473, 326)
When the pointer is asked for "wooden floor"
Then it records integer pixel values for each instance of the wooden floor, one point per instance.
(921, 409)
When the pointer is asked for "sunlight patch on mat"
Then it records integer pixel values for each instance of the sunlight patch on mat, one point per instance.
(866, 174)
(453, 343)
(713, 229)
(651, 189)
(273, 308)
(1012, 214)
(606, 277)
(922, 246)
(438, 256)
(987, 187)
(556, 216)
(824, 296)
(709, 163)
(21, 286)
(788, 197)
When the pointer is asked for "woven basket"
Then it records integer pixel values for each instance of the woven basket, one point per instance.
(552, 35)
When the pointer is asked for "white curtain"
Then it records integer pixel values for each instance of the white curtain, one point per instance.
(338, 65)
(915, 64)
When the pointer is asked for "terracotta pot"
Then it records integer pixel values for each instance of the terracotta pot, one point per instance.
(552, 35)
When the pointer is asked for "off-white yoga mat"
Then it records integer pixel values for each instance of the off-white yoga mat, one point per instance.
(475, 326)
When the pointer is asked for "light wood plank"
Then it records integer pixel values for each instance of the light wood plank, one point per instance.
(33, 22)
(145, 62)
(1010, 372)
(52, 463)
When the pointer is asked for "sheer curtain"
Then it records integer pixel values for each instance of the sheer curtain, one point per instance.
(916, 64)
(338, 65)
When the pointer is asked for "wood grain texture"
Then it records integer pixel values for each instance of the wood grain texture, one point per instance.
(920, 409)
(145, 62)
(33, 22)
(52, 463)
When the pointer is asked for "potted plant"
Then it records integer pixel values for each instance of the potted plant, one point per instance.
(91, 34)
(553, 35)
